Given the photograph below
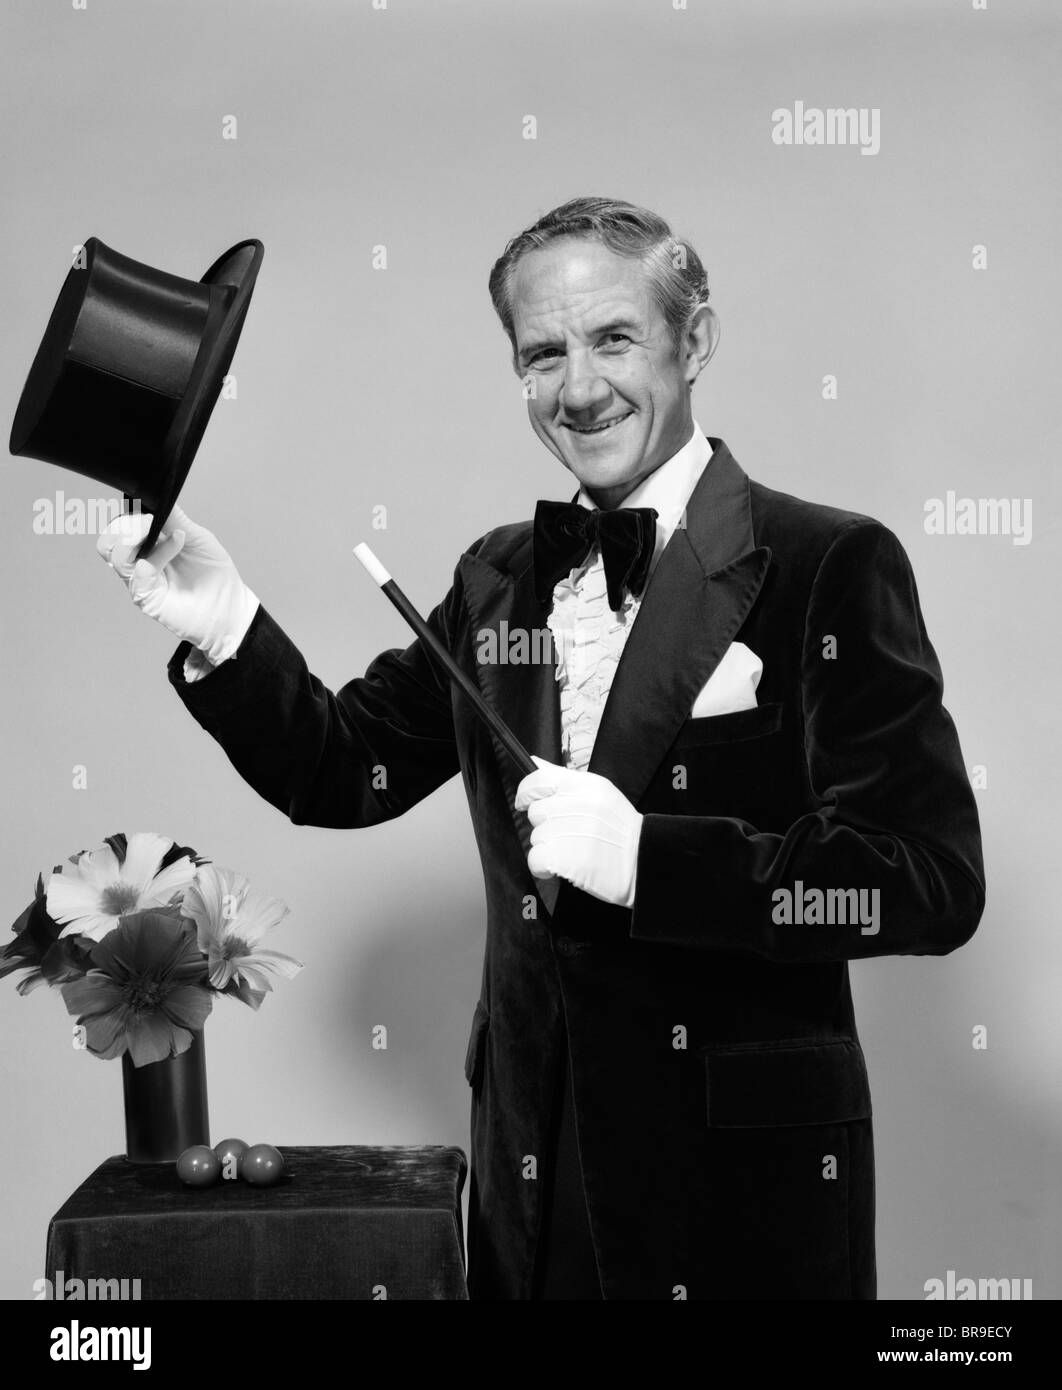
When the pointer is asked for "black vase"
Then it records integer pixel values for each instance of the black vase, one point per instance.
(165, 1105)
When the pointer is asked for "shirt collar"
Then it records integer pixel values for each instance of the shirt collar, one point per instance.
(669, 487)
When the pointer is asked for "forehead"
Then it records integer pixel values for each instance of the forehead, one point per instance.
(572, 280)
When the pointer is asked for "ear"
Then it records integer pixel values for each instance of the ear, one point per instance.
(700, 342)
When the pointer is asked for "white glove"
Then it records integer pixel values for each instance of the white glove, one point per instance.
(584, 830)
(189, 583)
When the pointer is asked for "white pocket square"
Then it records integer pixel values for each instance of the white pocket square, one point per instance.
(732, 685)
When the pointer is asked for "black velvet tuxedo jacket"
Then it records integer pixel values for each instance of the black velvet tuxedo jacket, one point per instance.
(722, 1105)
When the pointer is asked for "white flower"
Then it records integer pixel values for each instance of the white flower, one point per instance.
(231, 918)
(91, 895)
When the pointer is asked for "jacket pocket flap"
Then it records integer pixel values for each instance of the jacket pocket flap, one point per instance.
(735, 727)
(792, 1082)
(480, 1020)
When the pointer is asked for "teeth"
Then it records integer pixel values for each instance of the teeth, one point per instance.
(597, 429)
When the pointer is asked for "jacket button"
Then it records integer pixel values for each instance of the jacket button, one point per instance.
(566, 946)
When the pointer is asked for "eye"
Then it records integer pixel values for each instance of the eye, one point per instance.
(543, 358)
(615, 339)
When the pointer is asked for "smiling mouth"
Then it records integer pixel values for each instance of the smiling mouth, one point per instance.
(602, 427)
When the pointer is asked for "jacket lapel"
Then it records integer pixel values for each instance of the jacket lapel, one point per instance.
(700, 593)
(524, 692)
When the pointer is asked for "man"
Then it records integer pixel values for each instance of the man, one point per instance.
(746, 779)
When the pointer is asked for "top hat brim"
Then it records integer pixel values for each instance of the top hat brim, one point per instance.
(238, 267)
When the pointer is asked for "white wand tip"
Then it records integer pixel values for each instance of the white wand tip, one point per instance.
(369, 560)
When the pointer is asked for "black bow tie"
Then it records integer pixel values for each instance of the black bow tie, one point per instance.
(565, 534)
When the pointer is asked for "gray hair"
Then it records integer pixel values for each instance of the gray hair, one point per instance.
(677, 279)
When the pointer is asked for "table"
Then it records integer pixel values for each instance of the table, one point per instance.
(343, 1223)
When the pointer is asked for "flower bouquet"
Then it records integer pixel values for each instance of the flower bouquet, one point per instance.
(139, 936)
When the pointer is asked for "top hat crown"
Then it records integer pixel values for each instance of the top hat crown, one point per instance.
(129, 370)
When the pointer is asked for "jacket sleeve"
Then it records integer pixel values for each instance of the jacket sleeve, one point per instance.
(355, 757)
(896, 815)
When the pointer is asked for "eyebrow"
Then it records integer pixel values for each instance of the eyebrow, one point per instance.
(616, 325)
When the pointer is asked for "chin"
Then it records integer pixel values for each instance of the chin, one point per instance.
(609, 478)
(611, 472)
(592, 472)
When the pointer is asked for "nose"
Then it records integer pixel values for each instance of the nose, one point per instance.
(584, 388)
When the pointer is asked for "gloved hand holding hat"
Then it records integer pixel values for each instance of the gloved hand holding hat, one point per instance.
(188, 582)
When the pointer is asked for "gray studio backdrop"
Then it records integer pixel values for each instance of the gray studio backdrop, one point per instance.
(405, 126)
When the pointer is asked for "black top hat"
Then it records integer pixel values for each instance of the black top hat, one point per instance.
(129, 369)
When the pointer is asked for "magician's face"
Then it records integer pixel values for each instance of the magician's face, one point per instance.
(611, 389)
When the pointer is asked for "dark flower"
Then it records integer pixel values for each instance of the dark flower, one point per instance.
(146, 991)
(38, 949)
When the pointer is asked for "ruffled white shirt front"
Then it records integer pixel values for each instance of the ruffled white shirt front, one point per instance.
(588, 636)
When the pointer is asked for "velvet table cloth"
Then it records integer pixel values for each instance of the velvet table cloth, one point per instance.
(343, 1223)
